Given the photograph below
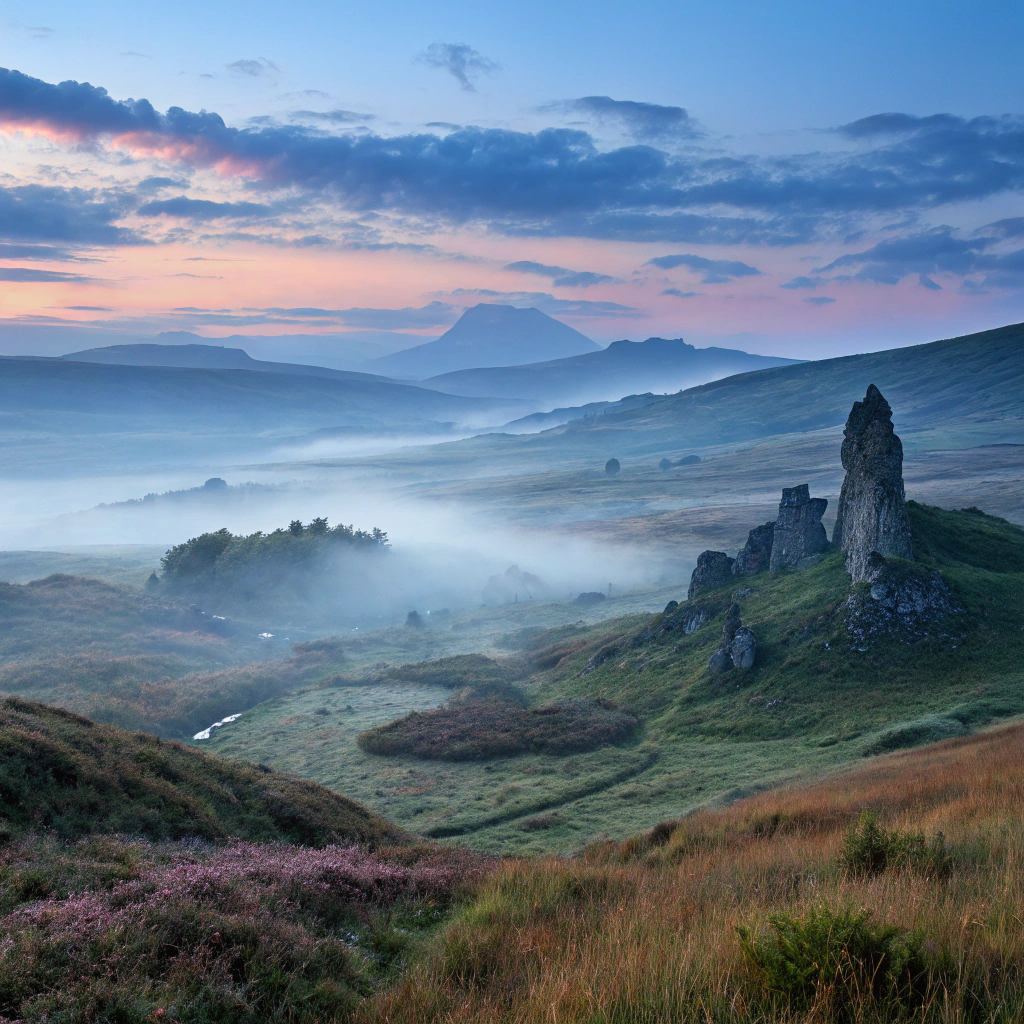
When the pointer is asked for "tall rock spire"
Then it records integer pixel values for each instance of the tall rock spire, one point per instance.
(872, 506)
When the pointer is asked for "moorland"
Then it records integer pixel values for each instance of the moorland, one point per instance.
(520, 795)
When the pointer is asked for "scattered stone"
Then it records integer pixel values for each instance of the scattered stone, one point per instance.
(756, 555)
(798, 530)
(714, 569)
(872, 505)
(905, 603)
(738, 595)
(739, 645)
(589, 597)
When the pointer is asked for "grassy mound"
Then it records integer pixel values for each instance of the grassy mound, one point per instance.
(491, 725)
(67, 774)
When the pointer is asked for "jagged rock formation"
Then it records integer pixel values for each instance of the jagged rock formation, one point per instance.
(756, 555)
(872, 506)
(798, 530)
(739, 645)
(907, 603)
(714, 568)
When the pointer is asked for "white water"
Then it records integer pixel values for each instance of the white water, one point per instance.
(205, 734)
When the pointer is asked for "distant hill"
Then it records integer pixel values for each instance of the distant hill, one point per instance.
(67, 395)
(623, 368)
(67, 774)
(488, 335)
(961, 391)
(207, 357)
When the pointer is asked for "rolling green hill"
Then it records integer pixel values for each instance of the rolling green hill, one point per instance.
(820, 695)
(63, 773)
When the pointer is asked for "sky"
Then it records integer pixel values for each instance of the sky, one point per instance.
(801, 179)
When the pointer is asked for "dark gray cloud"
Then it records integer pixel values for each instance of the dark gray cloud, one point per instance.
(940, 251)
(252, 68)
(49, 213)
(42, 253)
(819, 300)
(332, 116)
(557, 182)
(643, 121)
(680, 294)
(713, 271)
(802, 282)
(460, 60)
(92, 309)
(434, 314)
(29, 275)
(202, 209)
(547, 303)
(561, 277)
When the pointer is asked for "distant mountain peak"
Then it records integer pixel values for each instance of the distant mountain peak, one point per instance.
(489, 334)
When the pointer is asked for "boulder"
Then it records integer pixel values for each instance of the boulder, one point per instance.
(756, 555)
(739, 645)
(904, 602)
(714, 568)
(743, 649)
(872, 507)
(798, 531)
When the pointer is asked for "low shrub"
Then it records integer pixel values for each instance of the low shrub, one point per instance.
(837, 961)
(870, 848)
(494, 726)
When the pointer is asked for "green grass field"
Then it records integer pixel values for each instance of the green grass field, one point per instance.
(813, 702)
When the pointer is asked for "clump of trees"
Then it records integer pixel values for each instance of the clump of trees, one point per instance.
(262, 564)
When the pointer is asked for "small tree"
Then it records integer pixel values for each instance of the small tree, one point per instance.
(612, 467)
(665, 464)
(295, 527)
(318, 527)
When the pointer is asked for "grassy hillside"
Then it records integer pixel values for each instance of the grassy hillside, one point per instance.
(68, 775)
(817, 697)
(791, 906)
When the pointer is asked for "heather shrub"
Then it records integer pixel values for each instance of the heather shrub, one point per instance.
(244, 933)
(870, 848)
(492, 725)
(838, 961)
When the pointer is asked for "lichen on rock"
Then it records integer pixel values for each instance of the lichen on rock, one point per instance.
(756, 554)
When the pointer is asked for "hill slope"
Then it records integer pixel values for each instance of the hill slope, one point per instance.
(623, 368)
(64, 773)
(820, 694)
(977, 380)
(488, 335)
(88, 397)
(208, 357)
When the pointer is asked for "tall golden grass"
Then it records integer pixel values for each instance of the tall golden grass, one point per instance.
(646, 930)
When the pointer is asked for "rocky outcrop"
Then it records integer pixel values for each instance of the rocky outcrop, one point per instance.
(798, 531)
(872, 507)
(739, 645)
(905, 603)
(714, 568)
(756, 555)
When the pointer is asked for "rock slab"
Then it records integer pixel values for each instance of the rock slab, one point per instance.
(739, 645)
(872, 505)
(798, 531)
(756, 555)
(714, 568)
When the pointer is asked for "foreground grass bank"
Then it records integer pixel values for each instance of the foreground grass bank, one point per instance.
(766, 911)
